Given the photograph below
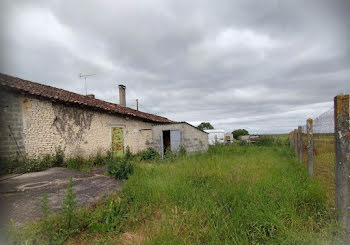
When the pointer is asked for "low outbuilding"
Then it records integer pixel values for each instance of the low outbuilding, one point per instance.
(216, 136)
(37, 119)
(172, 136)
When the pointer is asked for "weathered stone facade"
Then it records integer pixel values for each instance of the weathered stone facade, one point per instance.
(11, 125)
(192, 139)
(42, 126)
(34, 126)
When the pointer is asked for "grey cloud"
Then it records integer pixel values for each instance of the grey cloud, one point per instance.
(248, 63)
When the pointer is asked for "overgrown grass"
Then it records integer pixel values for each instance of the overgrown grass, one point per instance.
(26, 164)
(273, 140)
(231, 195)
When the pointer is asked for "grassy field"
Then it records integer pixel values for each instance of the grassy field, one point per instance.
(323, 162)
(231, 195)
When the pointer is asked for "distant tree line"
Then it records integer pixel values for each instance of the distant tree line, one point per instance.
(205, 125)
(239, 132)
(236, 133)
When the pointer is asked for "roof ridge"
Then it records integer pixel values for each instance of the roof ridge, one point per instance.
(50, 92)
(40, 84)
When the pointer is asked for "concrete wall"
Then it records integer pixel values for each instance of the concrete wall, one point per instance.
(11, 138)
(192, 139)
(45, 125)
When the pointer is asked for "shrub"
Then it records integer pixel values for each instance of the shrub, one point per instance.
(265, 140)
(25, 164)
(59, 158)
(78, 163)
(182, 151)
(98, 159)
(111, 217)
(18, 165)
(55, 229)
(69, 206)
(239, 132)
(149, 155)
(128, 154)
(242, 142)
(169, 155)
(47, 161)
(120, 168)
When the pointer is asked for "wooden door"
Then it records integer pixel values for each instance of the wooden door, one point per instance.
(117, 142)
(175, 140)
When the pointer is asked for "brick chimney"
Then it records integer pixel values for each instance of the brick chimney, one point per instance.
(122, 100)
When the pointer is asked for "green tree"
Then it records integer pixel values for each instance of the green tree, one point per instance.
(205, 125)
(238, 132)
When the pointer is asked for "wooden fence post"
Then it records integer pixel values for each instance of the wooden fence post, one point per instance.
(291, 139)
(310, 146)
(342, 161)
(300, 144)
(295, 135)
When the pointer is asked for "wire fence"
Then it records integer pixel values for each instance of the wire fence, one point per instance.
(323, 152)
(323, 146)
(323, 161)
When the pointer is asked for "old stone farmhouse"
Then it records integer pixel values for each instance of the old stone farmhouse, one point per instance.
(37, 119)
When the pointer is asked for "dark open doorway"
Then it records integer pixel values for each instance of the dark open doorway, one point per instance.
(166, 141)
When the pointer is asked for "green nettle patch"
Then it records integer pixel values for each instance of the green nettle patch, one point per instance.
(25, 164)
(150, 154)
(230, 195)
(120, 168)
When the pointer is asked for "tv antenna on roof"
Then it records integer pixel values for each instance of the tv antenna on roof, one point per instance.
(85, 76)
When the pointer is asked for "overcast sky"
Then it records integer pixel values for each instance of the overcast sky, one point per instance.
(261, 65)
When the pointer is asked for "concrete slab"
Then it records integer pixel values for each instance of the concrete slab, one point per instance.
(20, 195)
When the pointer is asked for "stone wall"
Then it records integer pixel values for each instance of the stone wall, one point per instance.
(145, 139)
(41, 126)
(192, 139)
(78, 131)
(11, 130)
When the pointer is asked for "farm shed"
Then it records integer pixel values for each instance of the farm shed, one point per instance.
(216, 136)
(37, 119)
(228, 138)
(173, 135)
(249, 138)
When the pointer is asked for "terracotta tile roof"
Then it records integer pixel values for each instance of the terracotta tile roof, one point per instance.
(60, 95)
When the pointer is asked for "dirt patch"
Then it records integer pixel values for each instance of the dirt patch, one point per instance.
(20, 196)
(129, 238)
